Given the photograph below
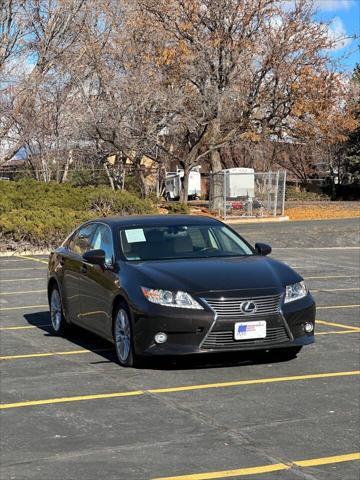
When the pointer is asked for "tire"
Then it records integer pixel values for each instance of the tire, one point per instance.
(286, 353)
(123, 338)
(59, 326)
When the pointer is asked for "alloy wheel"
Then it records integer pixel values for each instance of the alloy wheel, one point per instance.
(122, 335)
(55, 310)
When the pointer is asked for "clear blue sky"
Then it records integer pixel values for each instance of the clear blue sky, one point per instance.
(345, 18)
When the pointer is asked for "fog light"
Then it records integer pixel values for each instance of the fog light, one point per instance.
(309, 327)
(160, 337)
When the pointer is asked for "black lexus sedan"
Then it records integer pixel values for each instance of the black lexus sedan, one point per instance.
(177, 284)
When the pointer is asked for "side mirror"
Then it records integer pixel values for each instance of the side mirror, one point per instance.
(95, 257)
(263, 249)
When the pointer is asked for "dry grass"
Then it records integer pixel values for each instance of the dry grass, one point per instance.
(323, 210)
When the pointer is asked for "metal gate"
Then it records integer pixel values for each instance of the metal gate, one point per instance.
(247, 194)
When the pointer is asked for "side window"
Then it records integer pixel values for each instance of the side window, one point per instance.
(197, 238)
(103, 240)
(80, 242)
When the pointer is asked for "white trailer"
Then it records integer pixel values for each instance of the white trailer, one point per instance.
(174, 184)
(240, 182)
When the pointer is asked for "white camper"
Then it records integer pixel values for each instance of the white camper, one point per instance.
(240, 182)
(173, 184)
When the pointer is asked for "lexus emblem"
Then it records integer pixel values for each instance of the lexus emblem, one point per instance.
(248, 307)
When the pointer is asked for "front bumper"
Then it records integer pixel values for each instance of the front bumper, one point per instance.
(202, 331)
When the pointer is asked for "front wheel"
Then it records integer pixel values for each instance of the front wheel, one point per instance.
(58, 322)
(123, 337)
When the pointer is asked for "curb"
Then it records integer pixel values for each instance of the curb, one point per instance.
(235, 221)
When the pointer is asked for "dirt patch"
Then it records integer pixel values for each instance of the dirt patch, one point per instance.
(322, 210)
(307, 210)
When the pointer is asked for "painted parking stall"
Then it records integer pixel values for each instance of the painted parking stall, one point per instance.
(70, 411)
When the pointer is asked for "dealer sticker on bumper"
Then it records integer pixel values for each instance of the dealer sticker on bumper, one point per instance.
(249, 330)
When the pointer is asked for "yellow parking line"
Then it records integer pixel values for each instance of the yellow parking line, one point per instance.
(333, 332)
(25, 257)
(15, 258)
(22, 293)
(336, 290)
(50, 401)
(22, 269)
(12, 280)
(4, 260)
(315, 462)
(275, 467)
(27, 327)
(52, 354)
(327, 307)
(259, 381)
(331, 276)
(253, 382)
(340, 325)
(25, 307)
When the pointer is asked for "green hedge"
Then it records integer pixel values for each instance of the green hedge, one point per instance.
(43, 214)
(177, 208)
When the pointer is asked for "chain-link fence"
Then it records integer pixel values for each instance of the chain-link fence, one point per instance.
(247, 194)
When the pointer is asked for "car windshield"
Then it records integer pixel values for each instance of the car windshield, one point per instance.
(181, 241)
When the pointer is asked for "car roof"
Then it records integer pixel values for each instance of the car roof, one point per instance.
(157, 220)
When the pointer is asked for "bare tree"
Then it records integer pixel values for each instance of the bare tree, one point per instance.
(235, 69)
(119, 111)
(42, 31)
(224, 78)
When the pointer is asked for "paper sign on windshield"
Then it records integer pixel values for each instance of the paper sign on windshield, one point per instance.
(135, 235)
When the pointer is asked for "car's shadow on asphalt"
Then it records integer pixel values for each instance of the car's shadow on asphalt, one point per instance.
(87, 340)
(77, 336)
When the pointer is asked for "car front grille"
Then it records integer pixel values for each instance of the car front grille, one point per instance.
(231, 307)
(225, 340)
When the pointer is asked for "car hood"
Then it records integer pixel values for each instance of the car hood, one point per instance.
(202, 275)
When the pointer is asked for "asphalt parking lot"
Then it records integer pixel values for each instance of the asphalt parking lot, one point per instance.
(70, 412)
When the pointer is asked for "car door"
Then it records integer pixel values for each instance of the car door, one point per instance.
(98, 286)
(75, 247)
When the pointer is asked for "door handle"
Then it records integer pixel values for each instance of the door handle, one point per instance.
(83, 269)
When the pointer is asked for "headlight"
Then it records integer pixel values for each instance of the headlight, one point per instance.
(295, 291)
(171, 299)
